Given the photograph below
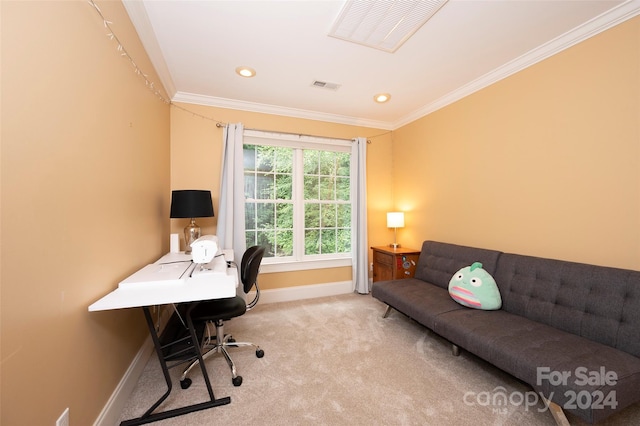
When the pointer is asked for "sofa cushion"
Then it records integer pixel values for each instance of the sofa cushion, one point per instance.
(474, 287)
(596, 302)
(418, 300)
(439, 261)
(538, 354)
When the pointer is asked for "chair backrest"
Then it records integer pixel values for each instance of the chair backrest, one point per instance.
(249, 268)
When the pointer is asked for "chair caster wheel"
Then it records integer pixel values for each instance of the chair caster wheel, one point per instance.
(259, 353)
(237, 381)
(184, 384)
(231, 340)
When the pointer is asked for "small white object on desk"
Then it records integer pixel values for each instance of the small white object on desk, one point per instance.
(174, 243)
(204, 249)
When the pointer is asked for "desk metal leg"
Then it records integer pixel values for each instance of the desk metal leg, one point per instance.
(149, 417)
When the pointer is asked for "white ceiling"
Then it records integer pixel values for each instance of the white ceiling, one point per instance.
(196, 46)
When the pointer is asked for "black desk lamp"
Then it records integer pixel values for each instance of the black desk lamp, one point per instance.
(191, 203)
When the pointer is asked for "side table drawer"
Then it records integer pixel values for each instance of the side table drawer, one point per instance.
(394, 263)
(383, 258)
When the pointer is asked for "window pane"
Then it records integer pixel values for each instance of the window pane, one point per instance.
(249, 216)
(343, 215)
(265, 214)
(249, 185)
(284, 216)
(264, 158)
(343, 189)
(265, 186)
(284, 160)
(328, 216)
(343, 241)
(343, 160)
(249, 155)
(284, 187)
(328, 244)
(265, 239)
(311, 242)
(311, 188)
(284, 243)
(327, 163)
(250, 238)
(312, 215)
(311, 159)
(327, 189)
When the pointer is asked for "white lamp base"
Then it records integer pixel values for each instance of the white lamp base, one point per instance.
(395, 245)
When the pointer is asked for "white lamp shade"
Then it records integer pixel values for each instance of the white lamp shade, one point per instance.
(395, 220)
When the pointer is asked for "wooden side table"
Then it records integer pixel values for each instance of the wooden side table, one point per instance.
(394, 264)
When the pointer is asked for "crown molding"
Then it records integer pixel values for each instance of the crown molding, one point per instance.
(140, 20)
(192, 98)
(609, 19)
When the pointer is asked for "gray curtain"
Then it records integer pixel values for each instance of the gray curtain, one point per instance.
(231, 210)
(359, 244)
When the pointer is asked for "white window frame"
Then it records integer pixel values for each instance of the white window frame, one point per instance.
(299, 261)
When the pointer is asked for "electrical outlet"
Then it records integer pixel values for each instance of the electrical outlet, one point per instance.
(63, 420)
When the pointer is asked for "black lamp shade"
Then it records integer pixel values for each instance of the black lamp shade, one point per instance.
(190, 203)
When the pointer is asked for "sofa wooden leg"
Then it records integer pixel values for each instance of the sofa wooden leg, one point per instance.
(455, 350)
(387, 312)
(556, 412)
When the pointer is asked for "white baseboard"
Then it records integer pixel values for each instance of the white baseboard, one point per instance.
(288, 294)
(110, 414)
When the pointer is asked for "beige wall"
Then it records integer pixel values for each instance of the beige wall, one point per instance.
(545, 162)
(85, 194)
(196, 151)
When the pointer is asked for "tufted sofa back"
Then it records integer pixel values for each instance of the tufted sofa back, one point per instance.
(595, 302)
(439, 261)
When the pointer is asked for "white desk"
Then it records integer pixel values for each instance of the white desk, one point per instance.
(173, 279)
(189, 285)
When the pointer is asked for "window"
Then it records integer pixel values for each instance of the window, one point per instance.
(297, 197)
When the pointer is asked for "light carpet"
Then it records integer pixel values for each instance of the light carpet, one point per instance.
(336, 361)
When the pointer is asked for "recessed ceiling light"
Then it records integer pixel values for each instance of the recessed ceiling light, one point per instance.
(381, 97)
(245, 72)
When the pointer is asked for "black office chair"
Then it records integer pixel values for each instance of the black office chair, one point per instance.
(215, 312)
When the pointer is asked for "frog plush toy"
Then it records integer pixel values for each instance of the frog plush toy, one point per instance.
(474, 287)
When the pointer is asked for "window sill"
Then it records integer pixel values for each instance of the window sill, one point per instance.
(266, 268)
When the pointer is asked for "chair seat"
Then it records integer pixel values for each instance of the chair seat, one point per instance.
(219, 309)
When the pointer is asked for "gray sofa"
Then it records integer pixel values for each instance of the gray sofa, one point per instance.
(569, 330)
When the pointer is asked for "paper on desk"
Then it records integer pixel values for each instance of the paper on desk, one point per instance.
(174, 257)
(158, 274)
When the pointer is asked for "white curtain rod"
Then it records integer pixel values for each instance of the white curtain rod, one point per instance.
(294, 134)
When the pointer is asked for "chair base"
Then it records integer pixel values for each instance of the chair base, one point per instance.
(218, 344)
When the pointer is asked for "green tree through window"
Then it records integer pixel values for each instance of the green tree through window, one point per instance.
(297, 201)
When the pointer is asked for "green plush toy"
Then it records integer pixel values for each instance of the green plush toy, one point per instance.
(474, 287)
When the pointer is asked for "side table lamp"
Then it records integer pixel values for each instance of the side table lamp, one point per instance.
(395, 220)
(189, 204)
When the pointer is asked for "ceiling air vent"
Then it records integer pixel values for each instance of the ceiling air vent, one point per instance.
(383, 24)
(325, 85)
